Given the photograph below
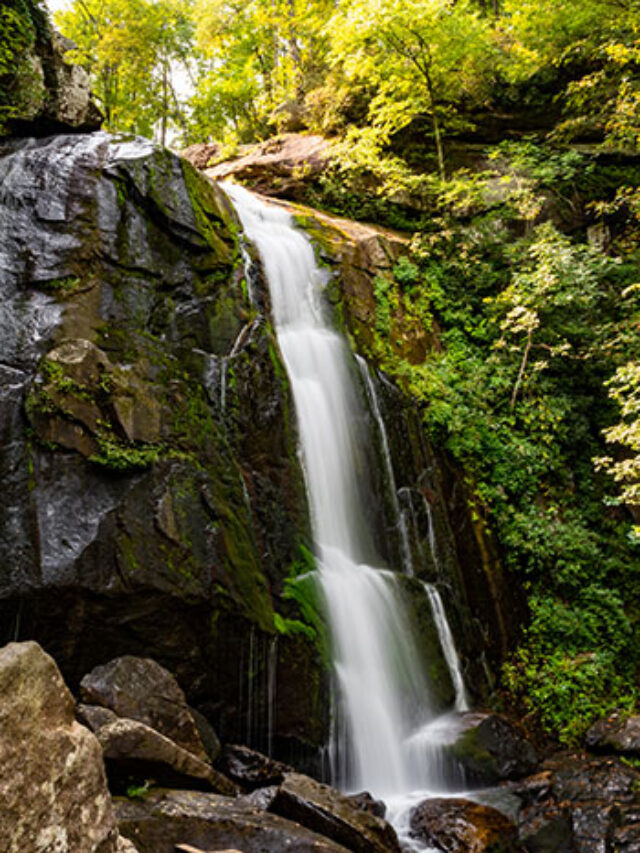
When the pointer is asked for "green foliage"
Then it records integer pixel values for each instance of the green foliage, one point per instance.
(304, 591)
(259, 60)
(139, 791)
(291, 627)
(531, 329)
(23, 25)
(133, 50)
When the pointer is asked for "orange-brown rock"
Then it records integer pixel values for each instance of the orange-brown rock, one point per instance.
(280, 167)
(460, 826)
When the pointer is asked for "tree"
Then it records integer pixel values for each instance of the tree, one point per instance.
(132, 50)
(625, 390)
(261, 57)
(595, 42)
(420, 57)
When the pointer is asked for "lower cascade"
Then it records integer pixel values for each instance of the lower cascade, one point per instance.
(386, 733)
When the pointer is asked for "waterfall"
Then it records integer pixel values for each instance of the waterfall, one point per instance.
(448, 646)
(383, 704)
(401, 521)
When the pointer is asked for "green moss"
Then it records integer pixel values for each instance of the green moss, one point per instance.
(62, 286)
(124, 456)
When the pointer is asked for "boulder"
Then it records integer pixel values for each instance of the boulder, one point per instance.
(131, 747)
(492, 748)
(250, 768)
(461, 826)
(53, 791)
(282, 167)
(325, 810)
(201, 154)
(615, 733)
(140, 689)
(209, 822)
(208, 736)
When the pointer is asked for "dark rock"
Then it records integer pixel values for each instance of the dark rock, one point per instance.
(579, 779)
(461, 826)
(626, 836)
(212, 823)
(250, 768)
(325, 810)
(140, 689)
(547, 831)
(53, 791)
(578, 803)
(492, 748)
(615, 733)
(261, 798)
(133, 501)
(367, 803)
(133, 749)
(208, 736)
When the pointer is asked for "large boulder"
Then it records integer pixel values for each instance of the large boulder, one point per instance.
(492, 748)
(53, 791)
(208, 822)
(140, 689)
(325, 810)
(462, 826)
(132, 749)
(282, 167)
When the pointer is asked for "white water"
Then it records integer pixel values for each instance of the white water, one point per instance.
(381, 733)
(401, 521)
(448, 647)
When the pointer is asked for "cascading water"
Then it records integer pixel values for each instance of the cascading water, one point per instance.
(448, 646)
(401, 520)
(383, 696)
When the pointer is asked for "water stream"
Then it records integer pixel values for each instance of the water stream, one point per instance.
(384, 717)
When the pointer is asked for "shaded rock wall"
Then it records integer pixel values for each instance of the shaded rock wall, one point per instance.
(40, 92)
(154, 503)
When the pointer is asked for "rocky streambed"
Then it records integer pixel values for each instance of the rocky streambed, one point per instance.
(129, 766)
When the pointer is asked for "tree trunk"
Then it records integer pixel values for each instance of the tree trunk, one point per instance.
(436, 126)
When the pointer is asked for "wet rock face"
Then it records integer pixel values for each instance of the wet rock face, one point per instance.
(461, 826)
(250, 768)
(53, 791)
(146, 438)
(492, 748)
(581, 804)
(615, 734)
